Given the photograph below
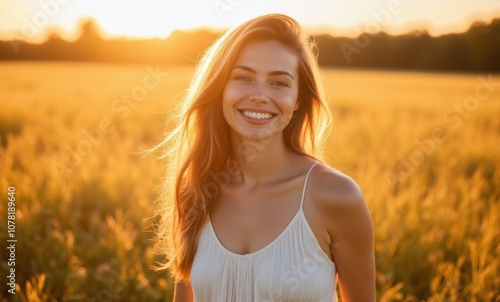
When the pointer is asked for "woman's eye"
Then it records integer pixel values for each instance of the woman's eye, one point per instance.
(242, 78)
(281, 83)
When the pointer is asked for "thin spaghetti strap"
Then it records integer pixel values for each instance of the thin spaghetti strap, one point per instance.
(305, 184)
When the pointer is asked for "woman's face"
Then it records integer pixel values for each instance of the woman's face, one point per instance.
(261, 94)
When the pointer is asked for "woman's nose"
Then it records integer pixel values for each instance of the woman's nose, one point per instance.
(259, 99)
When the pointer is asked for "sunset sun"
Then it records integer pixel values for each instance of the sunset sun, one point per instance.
(32, 20)
(158, 21)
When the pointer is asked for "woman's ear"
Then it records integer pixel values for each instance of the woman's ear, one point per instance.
(297, 105)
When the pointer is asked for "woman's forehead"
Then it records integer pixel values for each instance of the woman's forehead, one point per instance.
(267, 56)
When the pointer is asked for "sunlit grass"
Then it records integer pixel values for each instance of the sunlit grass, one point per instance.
(84, 196)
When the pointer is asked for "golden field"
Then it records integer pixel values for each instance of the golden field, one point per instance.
(422, 146)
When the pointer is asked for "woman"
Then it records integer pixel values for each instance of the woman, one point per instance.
(249, 212)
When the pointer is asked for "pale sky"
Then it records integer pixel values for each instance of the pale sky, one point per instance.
(31, 19)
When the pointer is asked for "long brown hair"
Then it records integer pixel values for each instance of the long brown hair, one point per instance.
(199, 148)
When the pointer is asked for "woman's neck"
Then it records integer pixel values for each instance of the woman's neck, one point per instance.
(260, 161)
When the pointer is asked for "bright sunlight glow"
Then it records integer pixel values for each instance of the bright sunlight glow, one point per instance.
(32, 19)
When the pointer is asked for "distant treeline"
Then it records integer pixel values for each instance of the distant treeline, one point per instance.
(478, 49)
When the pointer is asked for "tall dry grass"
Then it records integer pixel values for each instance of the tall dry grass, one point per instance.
(83, 205)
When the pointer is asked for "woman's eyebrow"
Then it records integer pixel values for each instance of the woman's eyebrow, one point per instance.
(277, 72)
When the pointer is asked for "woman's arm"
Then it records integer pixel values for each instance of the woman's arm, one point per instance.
(349, 224)
(183, 292)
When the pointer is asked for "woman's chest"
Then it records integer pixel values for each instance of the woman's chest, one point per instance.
(290, 269)
(248, 222)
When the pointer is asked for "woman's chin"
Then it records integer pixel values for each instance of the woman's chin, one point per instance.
(257, 135)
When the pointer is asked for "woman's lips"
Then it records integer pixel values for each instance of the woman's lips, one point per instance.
(257, 116)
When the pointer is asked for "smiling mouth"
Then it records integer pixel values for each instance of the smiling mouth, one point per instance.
(257, 115)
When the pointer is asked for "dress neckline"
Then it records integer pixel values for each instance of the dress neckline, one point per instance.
(273, 242)
(261, 250)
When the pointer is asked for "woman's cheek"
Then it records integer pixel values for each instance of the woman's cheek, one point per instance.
(231, 93)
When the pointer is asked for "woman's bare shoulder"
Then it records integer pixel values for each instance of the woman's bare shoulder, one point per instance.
(343, 212)
(332, 189)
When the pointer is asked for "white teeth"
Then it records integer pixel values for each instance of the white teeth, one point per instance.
(257, 115)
